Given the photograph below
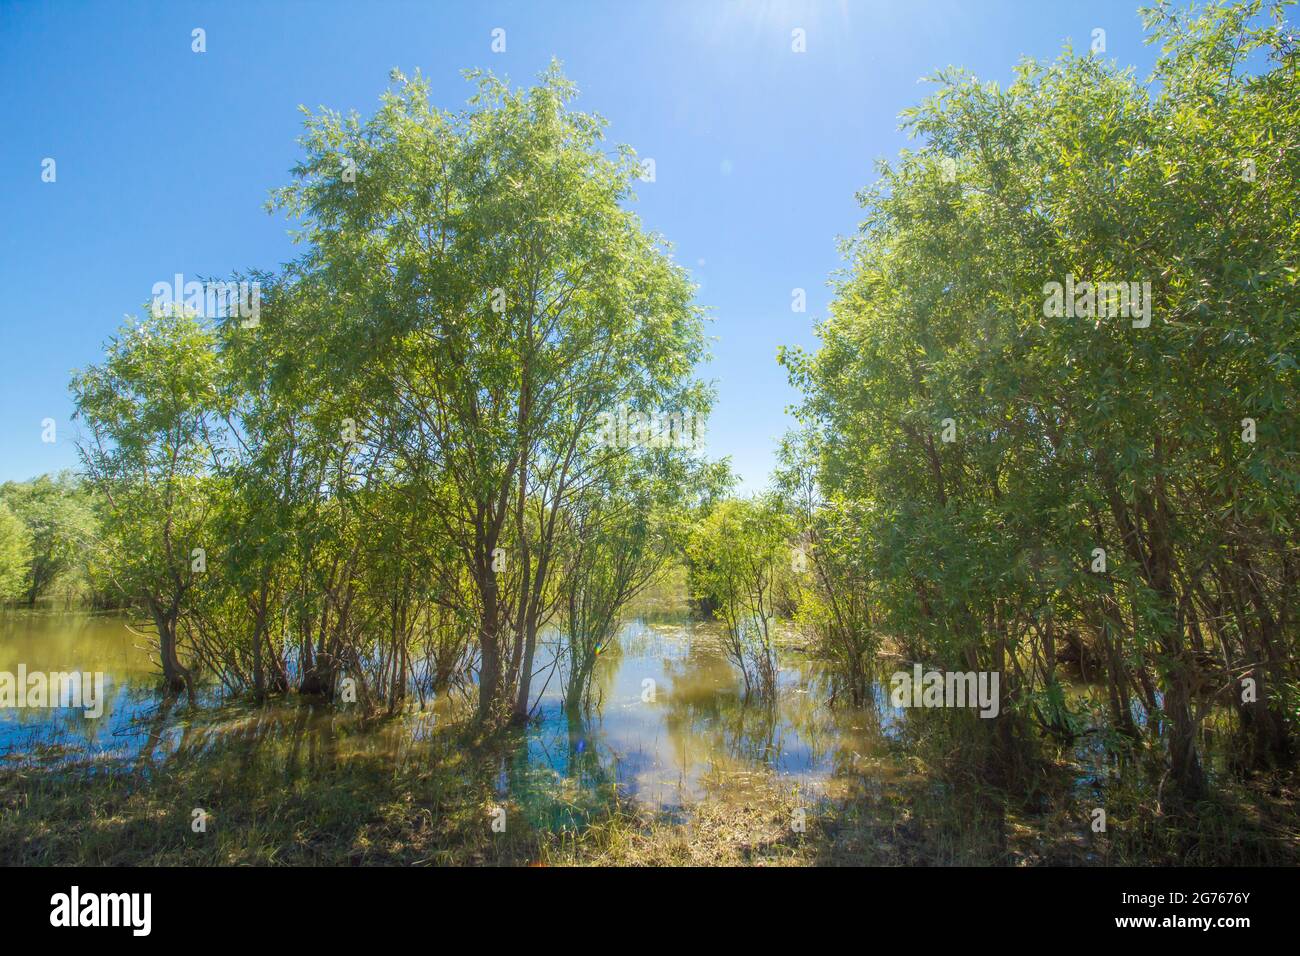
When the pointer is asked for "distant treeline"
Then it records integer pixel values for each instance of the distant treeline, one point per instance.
(48, 531)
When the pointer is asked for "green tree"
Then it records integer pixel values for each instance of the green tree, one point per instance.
(492, 296)
(59, 514)
(994, 445)
(15, 553)
(836, 585)
(740, 553)
(621, 534)
(151, 408)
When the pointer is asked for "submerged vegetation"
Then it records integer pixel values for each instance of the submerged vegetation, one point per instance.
(394, 487)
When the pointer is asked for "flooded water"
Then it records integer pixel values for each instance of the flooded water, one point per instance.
(669, 729)
(669, 723)
(36, 641)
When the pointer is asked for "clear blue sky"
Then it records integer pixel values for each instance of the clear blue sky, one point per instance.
(165, 157)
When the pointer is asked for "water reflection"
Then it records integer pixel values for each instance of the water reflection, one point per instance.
(668, 725)
(76, 643)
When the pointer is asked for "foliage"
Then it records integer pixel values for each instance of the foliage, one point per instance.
(740, 555)
(399, 474)
(59, 512)
(986, 445)
(15, 553)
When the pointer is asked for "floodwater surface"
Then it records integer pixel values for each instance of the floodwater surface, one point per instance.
(668, 724)
(668, 728)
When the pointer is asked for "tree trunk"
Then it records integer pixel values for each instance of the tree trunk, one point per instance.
(175, 677)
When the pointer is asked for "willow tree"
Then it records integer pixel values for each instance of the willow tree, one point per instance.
(1118, 470)
(493, 297)
(627, 526)
(740, 558)
(282, 524)
(833, 576)
(151, 409)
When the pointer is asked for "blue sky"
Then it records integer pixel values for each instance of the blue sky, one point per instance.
(165, 156)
